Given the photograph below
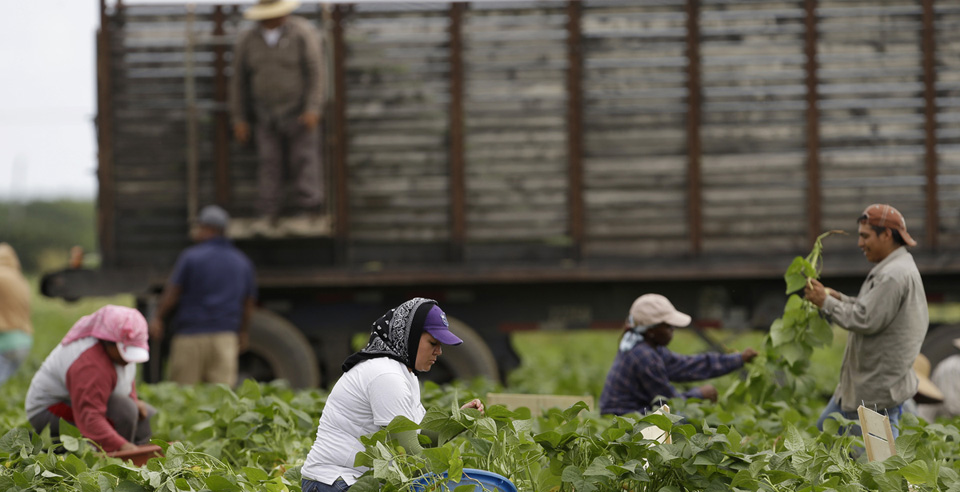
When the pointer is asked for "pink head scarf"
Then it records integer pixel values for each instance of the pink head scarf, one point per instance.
(123, 325)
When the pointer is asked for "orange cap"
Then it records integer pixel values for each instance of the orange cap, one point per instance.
(883, 215)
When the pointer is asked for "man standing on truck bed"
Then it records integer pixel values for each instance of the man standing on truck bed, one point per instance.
(213, 287)
(887, 321)
(277, 84)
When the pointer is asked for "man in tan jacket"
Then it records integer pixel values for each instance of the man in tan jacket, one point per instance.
(886, 321)
(277, 85)
(16, 331)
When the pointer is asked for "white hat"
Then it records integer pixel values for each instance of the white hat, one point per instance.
(133, 354)
(270, 9)
(653, 309)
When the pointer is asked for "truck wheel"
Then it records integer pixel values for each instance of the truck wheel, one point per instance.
(278, 350)
(466, 361)
(939, 343)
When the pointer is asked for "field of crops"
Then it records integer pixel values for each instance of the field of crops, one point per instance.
(761, 435)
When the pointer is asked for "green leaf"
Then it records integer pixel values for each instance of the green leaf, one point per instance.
(14, 440)
(401, 424)
(255, 475)
(795, 277)
(659, 420)
(71, 443)
(820, 330)
(599, 468)
(128, 486)
(778, 334)
(793, 352)
(916, 473)
(793, 441)
(366, 483)
(218, 483)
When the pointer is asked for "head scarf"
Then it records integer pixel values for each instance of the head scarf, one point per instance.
(111, 323)
(14, 293)
(395, 335)
(633, 335)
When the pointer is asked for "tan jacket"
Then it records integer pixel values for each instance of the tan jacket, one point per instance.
(887, 322)
(272, 83)
(14, 293)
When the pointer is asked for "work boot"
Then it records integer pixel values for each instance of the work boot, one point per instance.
(240, 228)
(306, 225)
(266, 226)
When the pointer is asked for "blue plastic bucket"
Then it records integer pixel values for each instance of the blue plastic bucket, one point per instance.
(483, 480)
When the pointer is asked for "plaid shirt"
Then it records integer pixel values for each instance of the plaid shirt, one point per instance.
(643, 373)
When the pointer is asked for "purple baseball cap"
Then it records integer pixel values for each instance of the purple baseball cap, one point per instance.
(436, 324)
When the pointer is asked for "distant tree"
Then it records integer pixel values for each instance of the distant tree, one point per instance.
(42, 232)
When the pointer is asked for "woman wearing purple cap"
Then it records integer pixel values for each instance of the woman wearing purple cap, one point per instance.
(378, 384)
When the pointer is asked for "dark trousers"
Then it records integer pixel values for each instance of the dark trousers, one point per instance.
(307, 485)
(288, 141)
(122, 412)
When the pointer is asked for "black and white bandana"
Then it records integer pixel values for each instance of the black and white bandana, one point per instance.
(396, 334)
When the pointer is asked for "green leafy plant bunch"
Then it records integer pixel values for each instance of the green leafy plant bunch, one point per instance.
(781, 371)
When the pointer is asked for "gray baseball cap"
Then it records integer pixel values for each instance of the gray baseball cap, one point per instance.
(213, 216)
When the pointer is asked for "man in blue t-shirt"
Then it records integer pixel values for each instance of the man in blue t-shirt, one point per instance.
(213, 288)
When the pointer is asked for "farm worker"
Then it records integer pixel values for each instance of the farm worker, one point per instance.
(89, 381)
(644, 367)
(213, 288)
(887, 321)
(277, 88)
(16, 331)
(379, 383)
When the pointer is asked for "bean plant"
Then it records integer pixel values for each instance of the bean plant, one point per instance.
(759, 437)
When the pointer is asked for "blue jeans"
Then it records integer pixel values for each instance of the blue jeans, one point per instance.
(892, 413)
(307, 485)
(10, 361)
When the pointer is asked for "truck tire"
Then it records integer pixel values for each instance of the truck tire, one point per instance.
(466, 361)
(278, 350)
(939, 344)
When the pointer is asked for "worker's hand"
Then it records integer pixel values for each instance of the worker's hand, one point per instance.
(309, 119)
(156, 328)
(128, 446)
(748, 355)
(243, 341)
(815, 292)
(709, 392)
(142, 409)
(241, 130)
(475, 403)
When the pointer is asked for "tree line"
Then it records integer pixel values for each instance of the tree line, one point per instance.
(42, 232)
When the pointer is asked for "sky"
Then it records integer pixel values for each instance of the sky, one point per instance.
(47, 96)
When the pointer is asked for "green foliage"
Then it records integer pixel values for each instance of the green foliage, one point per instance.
(760, 437)
(42, 232)
(781, 371)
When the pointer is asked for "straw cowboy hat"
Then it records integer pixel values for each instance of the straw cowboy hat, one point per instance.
(927, 392)
(270, 9)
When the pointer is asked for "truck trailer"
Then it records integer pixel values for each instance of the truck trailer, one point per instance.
(537, 165)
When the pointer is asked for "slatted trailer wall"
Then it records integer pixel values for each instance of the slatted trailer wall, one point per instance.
(634, 123)
(946, 118)
(753, 129)
(872, 107)
(539, 131)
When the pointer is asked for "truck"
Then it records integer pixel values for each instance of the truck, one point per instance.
(537, 165)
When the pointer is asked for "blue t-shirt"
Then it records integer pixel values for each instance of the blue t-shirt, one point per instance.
(215, 279)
